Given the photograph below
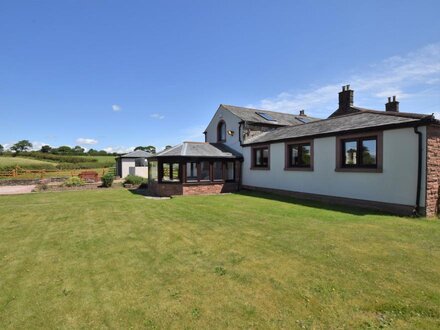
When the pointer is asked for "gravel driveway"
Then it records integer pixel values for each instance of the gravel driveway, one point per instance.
(13, 190)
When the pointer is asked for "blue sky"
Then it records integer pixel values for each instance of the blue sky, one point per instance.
(118, 74)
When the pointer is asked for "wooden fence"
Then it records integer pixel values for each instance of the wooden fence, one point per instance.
(20, 173)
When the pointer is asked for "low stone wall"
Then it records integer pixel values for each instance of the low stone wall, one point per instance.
(87, 186)
(26, 182)
(432, 171)
(170, 189)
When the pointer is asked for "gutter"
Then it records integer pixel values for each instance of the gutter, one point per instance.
(416, 211)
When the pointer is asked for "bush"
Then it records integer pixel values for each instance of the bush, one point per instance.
(59, 158)
(107, 180)
(34, 167)
(74, 181)
(134, 179)
(76, 166)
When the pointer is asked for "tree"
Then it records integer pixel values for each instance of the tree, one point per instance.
(168, 147)
(1, 149)
(78, 150)
(46, 149)
(21, 146)
(64, 150)
(151, 149)
(92, 151)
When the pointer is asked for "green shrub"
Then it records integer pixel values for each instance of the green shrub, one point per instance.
(107, 180)
(134, 179)
(75, 166)
(59, 158)
(74, 181)
(33, 167)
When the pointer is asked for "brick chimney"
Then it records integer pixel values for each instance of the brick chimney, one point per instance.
(392, 105)
(302, 113)
(345, 98)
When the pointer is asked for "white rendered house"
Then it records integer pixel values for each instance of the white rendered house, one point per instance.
(387, 160)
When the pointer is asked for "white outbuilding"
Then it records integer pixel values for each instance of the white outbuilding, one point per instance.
(133, 163)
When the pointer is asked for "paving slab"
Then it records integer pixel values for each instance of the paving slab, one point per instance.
(14, 190)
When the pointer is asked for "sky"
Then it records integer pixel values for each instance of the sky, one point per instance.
(114, 75)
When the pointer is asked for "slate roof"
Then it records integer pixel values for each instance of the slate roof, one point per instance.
(354, 109)
(136, 154)
(281, 118)
(199, 149)
(364, 119)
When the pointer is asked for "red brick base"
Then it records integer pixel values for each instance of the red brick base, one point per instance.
(169, 189)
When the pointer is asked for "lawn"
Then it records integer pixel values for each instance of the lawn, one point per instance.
(113, 259)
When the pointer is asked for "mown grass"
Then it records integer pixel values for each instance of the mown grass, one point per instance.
(113, 259)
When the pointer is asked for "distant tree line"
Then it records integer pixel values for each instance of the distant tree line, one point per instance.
(25, 146)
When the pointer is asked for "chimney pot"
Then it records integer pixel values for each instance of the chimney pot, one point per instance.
(345, 99)
(392, 105)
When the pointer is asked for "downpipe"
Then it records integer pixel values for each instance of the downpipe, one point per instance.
(416, 211)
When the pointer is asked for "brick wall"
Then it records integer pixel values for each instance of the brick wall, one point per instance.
(213, 188)
(432, 170)
(169, 189)
(165, 189)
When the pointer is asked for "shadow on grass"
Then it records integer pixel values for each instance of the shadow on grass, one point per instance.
(140, 191)
(319, 204)
(354, 210)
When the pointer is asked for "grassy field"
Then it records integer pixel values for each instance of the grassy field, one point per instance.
(27, 163)
(113, 259)
(23, 162)
(104, 159)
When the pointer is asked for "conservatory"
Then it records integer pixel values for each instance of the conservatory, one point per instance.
(193, 168)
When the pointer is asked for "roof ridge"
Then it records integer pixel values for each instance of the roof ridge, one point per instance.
(318, 122)
(169, 149)
(265, 110)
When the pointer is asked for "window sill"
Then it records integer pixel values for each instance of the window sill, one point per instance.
(359, 170)
(260, 168)
(306, 169)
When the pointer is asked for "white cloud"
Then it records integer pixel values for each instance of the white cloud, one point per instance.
(116, 107)
(82, 141)
(157, 116)
(396, 75)
(36, 145)
(6, 145)
(119, 149)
